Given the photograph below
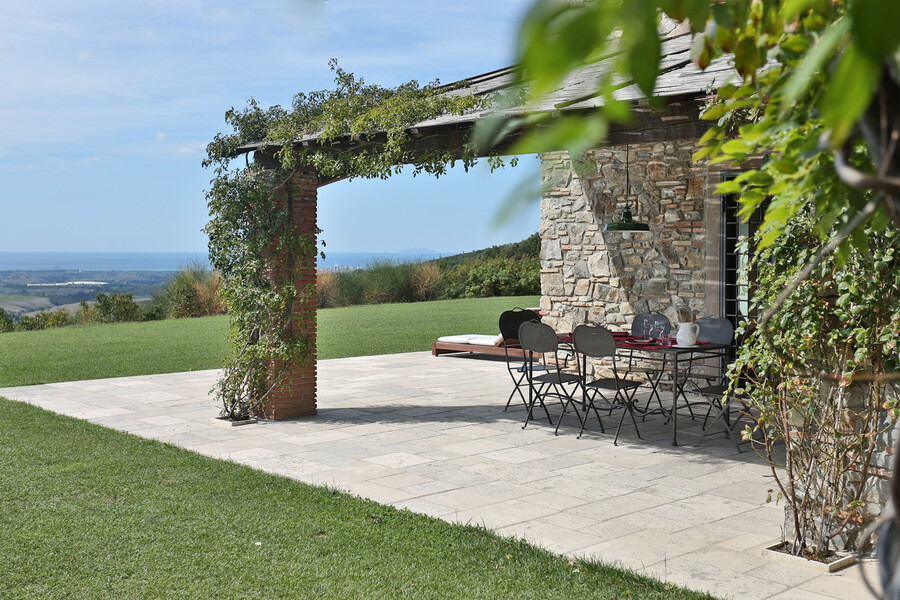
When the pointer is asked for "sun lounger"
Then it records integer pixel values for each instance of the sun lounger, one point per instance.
(471, 342)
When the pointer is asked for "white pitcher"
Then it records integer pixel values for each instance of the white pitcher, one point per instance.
(687, 334)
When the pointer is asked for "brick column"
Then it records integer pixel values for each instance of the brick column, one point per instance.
(296, 396)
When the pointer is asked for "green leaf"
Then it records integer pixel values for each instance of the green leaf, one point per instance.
(700, 52)
(795, 44)
(573, 133)
(785, 166)
(752, 132)
(724, 15)
(822, 52)
(729, 186)
(714, 112)
(645, 55)
(875, 27)
(704, 152)
(746, 57)
(556, 38)
(736, 146)
(848, 94)
(710, 134)
(794, 8)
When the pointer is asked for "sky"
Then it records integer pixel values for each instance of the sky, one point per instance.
(106, 108)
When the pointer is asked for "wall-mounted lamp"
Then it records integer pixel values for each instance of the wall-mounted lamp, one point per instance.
(627, 223)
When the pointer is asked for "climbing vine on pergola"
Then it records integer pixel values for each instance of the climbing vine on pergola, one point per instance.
(252, 239)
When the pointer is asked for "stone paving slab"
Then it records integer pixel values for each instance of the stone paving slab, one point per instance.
(429, 434)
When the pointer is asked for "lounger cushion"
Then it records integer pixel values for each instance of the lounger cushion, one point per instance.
(472, 339)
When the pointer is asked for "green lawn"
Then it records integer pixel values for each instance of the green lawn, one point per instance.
(87, 512)
(174, 345)
(97, 351)
(390, 328)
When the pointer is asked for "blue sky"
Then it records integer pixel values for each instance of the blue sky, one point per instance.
(106, 108)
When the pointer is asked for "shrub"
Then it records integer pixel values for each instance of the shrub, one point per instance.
(6, 322)
(194, 292)
(426, 281)
(158, 307)
(482, 278)
(387, 281)
(44, 319)
(85, 315)
(326, 289)
(116, 308)
(820, 374)
(351, 289)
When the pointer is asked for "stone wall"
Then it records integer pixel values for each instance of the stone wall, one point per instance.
(592, 275)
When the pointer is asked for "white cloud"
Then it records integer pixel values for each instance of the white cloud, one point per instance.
(191, 148)
(113, 84)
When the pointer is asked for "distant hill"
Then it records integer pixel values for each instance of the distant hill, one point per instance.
(530, 247)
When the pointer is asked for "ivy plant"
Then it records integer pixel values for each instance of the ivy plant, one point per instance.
(818, 374)
(253, 241)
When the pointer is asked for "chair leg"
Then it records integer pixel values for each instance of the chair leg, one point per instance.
(654, 393)
(709, 409)
(533, 396)
(536, 396)
(513, 393)
(637, 429)
(628, 402)
(723, 415)
(597, 414)
(566, 405)
(517, 387)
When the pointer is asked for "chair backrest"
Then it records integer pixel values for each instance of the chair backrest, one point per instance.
(637, 326)
(594, 341)
(511, 320)
(716, 330)
(538, 337)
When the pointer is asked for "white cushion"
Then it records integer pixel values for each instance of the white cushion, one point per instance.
(485, 340)
(455, 339)
(472, 338)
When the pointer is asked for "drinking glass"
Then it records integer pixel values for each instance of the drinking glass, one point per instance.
(660, 326)
(648, 328)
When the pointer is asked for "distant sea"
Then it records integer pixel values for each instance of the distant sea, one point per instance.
(173, 261)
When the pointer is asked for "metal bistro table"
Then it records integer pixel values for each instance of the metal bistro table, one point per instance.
(674, 355)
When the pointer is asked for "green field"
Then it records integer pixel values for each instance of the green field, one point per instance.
(20, 303)
(89, 512)
(98, 351)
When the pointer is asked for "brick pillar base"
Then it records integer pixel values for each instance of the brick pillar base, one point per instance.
(296, 395)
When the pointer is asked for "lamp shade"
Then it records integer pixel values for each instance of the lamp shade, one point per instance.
(627, 223)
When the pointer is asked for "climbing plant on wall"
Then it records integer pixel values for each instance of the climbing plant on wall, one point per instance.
(819, 374)
(253, 240)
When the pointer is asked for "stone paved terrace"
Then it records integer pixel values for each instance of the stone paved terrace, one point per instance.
(429, 434)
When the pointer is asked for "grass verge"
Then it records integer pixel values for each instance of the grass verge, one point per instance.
(174, 345)
(88, 512)
(114, 350)
(392, 328)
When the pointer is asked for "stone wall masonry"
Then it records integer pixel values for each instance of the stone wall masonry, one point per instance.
(592, 275)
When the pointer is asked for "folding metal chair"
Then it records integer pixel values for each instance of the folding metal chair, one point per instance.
(510, 321)
(539, 339)
(715, 330)
(652, 367)
(596, 342)
(726, 409)
(721, 405)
